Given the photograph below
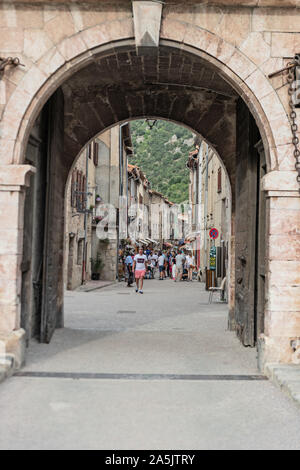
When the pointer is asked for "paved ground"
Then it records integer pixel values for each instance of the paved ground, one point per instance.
(114, 334)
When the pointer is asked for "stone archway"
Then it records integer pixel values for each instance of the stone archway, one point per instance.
(74, 54)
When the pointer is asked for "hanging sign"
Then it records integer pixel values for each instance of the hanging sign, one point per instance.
(212, 258)
(214, 233)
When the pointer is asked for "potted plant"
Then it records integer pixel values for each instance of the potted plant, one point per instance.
(104, 241)
(97, 266)
(98, 198)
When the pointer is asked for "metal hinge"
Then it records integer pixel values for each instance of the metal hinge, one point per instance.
(292, 71)
(14, 61)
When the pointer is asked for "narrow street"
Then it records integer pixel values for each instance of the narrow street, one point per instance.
(170, 331)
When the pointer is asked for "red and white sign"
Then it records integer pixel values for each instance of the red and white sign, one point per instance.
(214, 233)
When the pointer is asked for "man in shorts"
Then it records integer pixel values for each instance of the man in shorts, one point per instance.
(139, 268)
(161, 266)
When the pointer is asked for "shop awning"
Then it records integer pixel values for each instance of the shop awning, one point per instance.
(151, 241)
(191, 237)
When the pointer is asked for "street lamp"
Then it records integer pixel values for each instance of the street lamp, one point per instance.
(151, 123)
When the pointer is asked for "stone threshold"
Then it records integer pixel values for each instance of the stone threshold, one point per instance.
(287, 378)
(95, 285)
(7, 369)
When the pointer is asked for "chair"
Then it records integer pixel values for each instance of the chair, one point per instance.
(220, 289)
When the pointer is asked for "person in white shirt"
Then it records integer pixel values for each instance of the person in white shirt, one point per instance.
(152, 261)
(190, 264)
(161, 266)
(139, 268)
(180, 260)
(155, 258)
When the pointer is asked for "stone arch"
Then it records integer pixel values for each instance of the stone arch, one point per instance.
(75, 52)
(247, 78)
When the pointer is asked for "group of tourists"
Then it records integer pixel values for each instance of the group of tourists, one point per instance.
(174, 265)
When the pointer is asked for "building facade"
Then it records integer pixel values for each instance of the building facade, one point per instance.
(93, 186)
(149, 211)
(210, 199)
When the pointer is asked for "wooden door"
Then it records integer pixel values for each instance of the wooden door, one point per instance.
(261, 244)
(52, 301)
(246, 225)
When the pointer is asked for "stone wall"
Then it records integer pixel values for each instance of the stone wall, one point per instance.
(108, 254)
(73, 269)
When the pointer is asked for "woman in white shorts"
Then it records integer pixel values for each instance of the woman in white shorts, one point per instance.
(190, 264)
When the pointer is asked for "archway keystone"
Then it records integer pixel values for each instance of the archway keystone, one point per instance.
(147, 21)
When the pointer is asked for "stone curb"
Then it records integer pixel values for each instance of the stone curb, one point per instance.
(287, 378)
(2, 374)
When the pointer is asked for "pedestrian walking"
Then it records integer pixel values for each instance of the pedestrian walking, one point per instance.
(161, 266)
(129, 265)
(190, 266)
(169, 264)
(139, 267)
(180, 260)
(165, 264)
(173, 261)
(152, 259)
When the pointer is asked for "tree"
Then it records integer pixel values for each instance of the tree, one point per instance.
(162, 157)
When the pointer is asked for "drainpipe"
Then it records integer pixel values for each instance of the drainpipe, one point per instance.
(127, 195)
(199, 202)
(84, 264)
(206, 202)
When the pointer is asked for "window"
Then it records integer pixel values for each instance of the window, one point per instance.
(73, 189)
(220, 180)
(89, 151)
(80, 247)
(78, 189)
(96, 153)
(83, 190)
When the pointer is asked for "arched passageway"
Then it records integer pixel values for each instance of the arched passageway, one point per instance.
(120, 85)
(209, 66)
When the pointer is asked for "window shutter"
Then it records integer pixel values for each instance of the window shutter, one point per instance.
(77, 189)
(89, 150)
(84, 191)
(220, 180)
(73, 189)
(96, 153)
(81, 190)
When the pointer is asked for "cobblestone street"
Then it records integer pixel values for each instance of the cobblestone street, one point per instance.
(152, 371)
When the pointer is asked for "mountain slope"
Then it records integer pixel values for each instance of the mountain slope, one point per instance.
(161, 153)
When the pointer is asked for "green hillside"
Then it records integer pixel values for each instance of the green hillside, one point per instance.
(161, 153)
